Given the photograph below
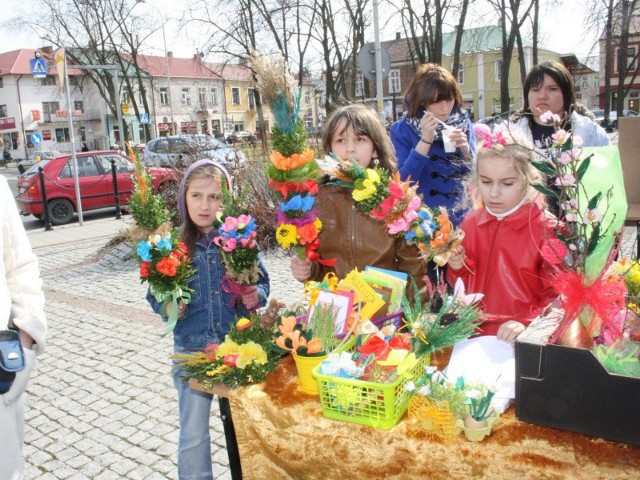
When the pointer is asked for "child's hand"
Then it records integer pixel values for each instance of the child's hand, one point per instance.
(460, 140)
(300, 269)
(457, 258)
(182, 309)
(508, 331)
(250, 297)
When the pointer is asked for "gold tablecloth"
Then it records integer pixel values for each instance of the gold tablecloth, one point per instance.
(282, 434)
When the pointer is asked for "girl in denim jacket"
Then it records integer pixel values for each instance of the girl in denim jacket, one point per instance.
(206, 319)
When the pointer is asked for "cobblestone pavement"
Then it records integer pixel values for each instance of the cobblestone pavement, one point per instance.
(101, 403)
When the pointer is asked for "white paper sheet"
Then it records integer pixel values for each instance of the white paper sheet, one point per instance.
(488, 361)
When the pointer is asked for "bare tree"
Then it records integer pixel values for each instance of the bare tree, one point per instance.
(512, 15)
(98, 32)
(627, 65)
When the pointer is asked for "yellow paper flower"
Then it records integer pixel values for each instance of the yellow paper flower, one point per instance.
(249, 353)
(367, 187)
(287, 235)
(228, 347)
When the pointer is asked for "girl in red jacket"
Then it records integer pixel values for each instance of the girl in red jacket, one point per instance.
(501, 255)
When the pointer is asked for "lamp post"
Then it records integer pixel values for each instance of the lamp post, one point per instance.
(166, 62)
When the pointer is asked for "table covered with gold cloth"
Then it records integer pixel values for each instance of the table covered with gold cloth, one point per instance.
(282, 434)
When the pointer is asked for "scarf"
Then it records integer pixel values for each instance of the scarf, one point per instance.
(457, 119)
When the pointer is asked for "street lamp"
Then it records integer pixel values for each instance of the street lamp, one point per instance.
(166, 62)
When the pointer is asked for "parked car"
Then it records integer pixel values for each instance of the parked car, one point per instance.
(613, 117)
(182, 150)
(235, 137)
(35, 157)
(95, 180)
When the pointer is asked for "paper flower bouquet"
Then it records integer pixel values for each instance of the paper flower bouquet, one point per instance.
(236, 238)
(245, 356)
(395, 203)
(166, 267)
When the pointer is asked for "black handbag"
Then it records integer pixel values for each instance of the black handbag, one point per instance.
(11, 358)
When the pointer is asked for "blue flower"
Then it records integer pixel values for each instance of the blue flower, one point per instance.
(298, 203)
(144, 251)
(165, 244)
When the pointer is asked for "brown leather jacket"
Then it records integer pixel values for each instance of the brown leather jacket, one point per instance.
(356, 240)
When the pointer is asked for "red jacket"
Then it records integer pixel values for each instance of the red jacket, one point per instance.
(507, 266)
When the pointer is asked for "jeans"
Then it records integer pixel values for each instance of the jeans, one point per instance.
(194, 444)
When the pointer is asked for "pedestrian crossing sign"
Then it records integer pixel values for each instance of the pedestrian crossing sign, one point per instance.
(38, 67)
(144, 118)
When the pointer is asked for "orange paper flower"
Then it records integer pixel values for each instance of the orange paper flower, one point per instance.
(289, 163)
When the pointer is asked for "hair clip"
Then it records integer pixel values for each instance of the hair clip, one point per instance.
(489, 138)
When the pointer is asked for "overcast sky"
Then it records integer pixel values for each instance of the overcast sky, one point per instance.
(563, 30)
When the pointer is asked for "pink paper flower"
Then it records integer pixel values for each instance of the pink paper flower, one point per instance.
(565, 180)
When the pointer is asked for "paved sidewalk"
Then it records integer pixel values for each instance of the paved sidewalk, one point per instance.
(101, 402)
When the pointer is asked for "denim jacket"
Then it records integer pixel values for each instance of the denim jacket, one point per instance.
(209, 315)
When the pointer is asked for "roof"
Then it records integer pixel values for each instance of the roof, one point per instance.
(232, 71)
(17, 62)
(474, 40)
(178, 67)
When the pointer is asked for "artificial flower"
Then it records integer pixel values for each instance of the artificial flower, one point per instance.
(287, 235)
(294, 161)
(243, 323)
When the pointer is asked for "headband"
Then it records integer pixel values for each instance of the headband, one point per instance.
(182, 207)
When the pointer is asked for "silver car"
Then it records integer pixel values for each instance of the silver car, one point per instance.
(182, 150)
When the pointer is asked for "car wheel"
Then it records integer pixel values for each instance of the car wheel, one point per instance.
(60, 211)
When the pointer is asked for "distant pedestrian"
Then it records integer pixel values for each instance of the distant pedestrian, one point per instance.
(207, 318)
(21, 316)
(84, 147)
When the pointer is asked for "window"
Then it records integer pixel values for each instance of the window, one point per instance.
(62, 135)
(307, 97)
(498, 70)
(202, 96)
(87, 167)
(359, 85)
(235, 96)
(186, 96)
(1, 82)
(460, 73)
(631, 59)
(74, 81)
(164, 96)
(122, 166)
(215, 126)
(252, 99)
(48, 109)
(394, 81)
(78, 105)
(48, 80)
(213, 96)
(3, 111)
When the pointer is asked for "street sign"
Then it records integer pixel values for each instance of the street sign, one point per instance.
(38, 67)
(367, 61)
(144, 118)
(36, 138)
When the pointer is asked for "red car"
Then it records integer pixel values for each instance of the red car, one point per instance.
(95, 179)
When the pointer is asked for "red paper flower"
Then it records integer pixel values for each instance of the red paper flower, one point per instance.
(144, 269)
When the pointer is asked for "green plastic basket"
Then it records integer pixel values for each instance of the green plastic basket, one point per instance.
(379, 405)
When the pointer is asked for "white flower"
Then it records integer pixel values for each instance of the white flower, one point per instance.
(592, 216)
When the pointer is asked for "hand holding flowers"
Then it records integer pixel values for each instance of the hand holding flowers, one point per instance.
(236, 239)
(165, 265)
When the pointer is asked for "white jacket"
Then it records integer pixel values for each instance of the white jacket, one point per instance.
(592, 134)
(21, 295)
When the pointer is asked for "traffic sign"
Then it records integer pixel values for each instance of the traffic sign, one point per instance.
(38, 67)
(36, 138)
(367, 61)
(144, 118)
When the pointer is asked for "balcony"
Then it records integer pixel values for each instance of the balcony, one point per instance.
(78, 115)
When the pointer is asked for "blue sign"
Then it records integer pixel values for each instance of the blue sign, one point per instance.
(38, 67)
(144, 119)
(36, 138)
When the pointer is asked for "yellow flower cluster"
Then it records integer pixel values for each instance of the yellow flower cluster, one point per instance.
(629, 270)
(247, 353)
(367, 187)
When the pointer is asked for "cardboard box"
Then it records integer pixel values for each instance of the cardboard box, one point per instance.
(568, 388)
